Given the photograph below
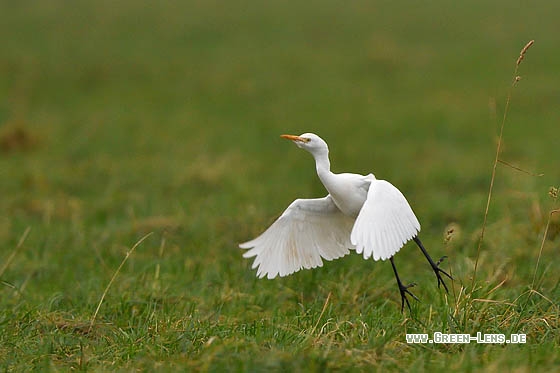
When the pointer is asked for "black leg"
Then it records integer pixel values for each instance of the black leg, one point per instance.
(435, 266)
(403, 289)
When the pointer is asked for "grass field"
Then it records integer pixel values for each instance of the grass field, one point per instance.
(121, 119)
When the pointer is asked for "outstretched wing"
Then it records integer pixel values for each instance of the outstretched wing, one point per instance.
(309, 229)
(385, 222)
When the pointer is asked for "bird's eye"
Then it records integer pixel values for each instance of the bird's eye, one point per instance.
(305, 139)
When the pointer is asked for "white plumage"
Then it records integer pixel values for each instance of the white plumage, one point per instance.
(309, 229)
(360, 213)
(385, 222)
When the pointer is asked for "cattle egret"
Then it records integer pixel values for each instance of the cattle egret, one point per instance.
(360, 213)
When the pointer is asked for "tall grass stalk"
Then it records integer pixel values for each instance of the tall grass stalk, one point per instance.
(516, 79)
(514, 82)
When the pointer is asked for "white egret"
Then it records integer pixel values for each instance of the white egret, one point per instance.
(360, 213)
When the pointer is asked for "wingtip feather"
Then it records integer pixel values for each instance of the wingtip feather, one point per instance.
(248, 244)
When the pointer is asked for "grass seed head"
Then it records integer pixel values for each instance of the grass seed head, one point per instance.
(451, 233)
(523, 51)
(553, 192)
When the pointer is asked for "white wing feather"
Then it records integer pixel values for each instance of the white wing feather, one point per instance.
(385, 222)
(309, 229)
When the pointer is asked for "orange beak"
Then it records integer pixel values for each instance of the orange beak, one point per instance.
(294, 138)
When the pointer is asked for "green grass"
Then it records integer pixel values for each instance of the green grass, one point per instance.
(118, 119)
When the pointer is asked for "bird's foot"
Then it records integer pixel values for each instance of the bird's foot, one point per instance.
(404, 291)
(438, 271)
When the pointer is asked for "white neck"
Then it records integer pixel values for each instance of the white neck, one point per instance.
(323, 165)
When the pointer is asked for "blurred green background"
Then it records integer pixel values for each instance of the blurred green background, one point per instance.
(119, 118)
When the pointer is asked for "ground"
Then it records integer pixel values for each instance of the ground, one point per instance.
(126, 119)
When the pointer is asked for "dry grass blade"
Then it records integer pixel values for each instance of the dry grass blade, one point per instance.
(497, 287)
(13, 254)
(519, 169)
(113, 278)
(155, 284)
(542, 245)
(544, 297)
(482, 300)
(322, 312)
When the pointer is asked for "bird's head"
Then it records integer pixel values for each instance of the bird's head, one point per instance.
(308, 141)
